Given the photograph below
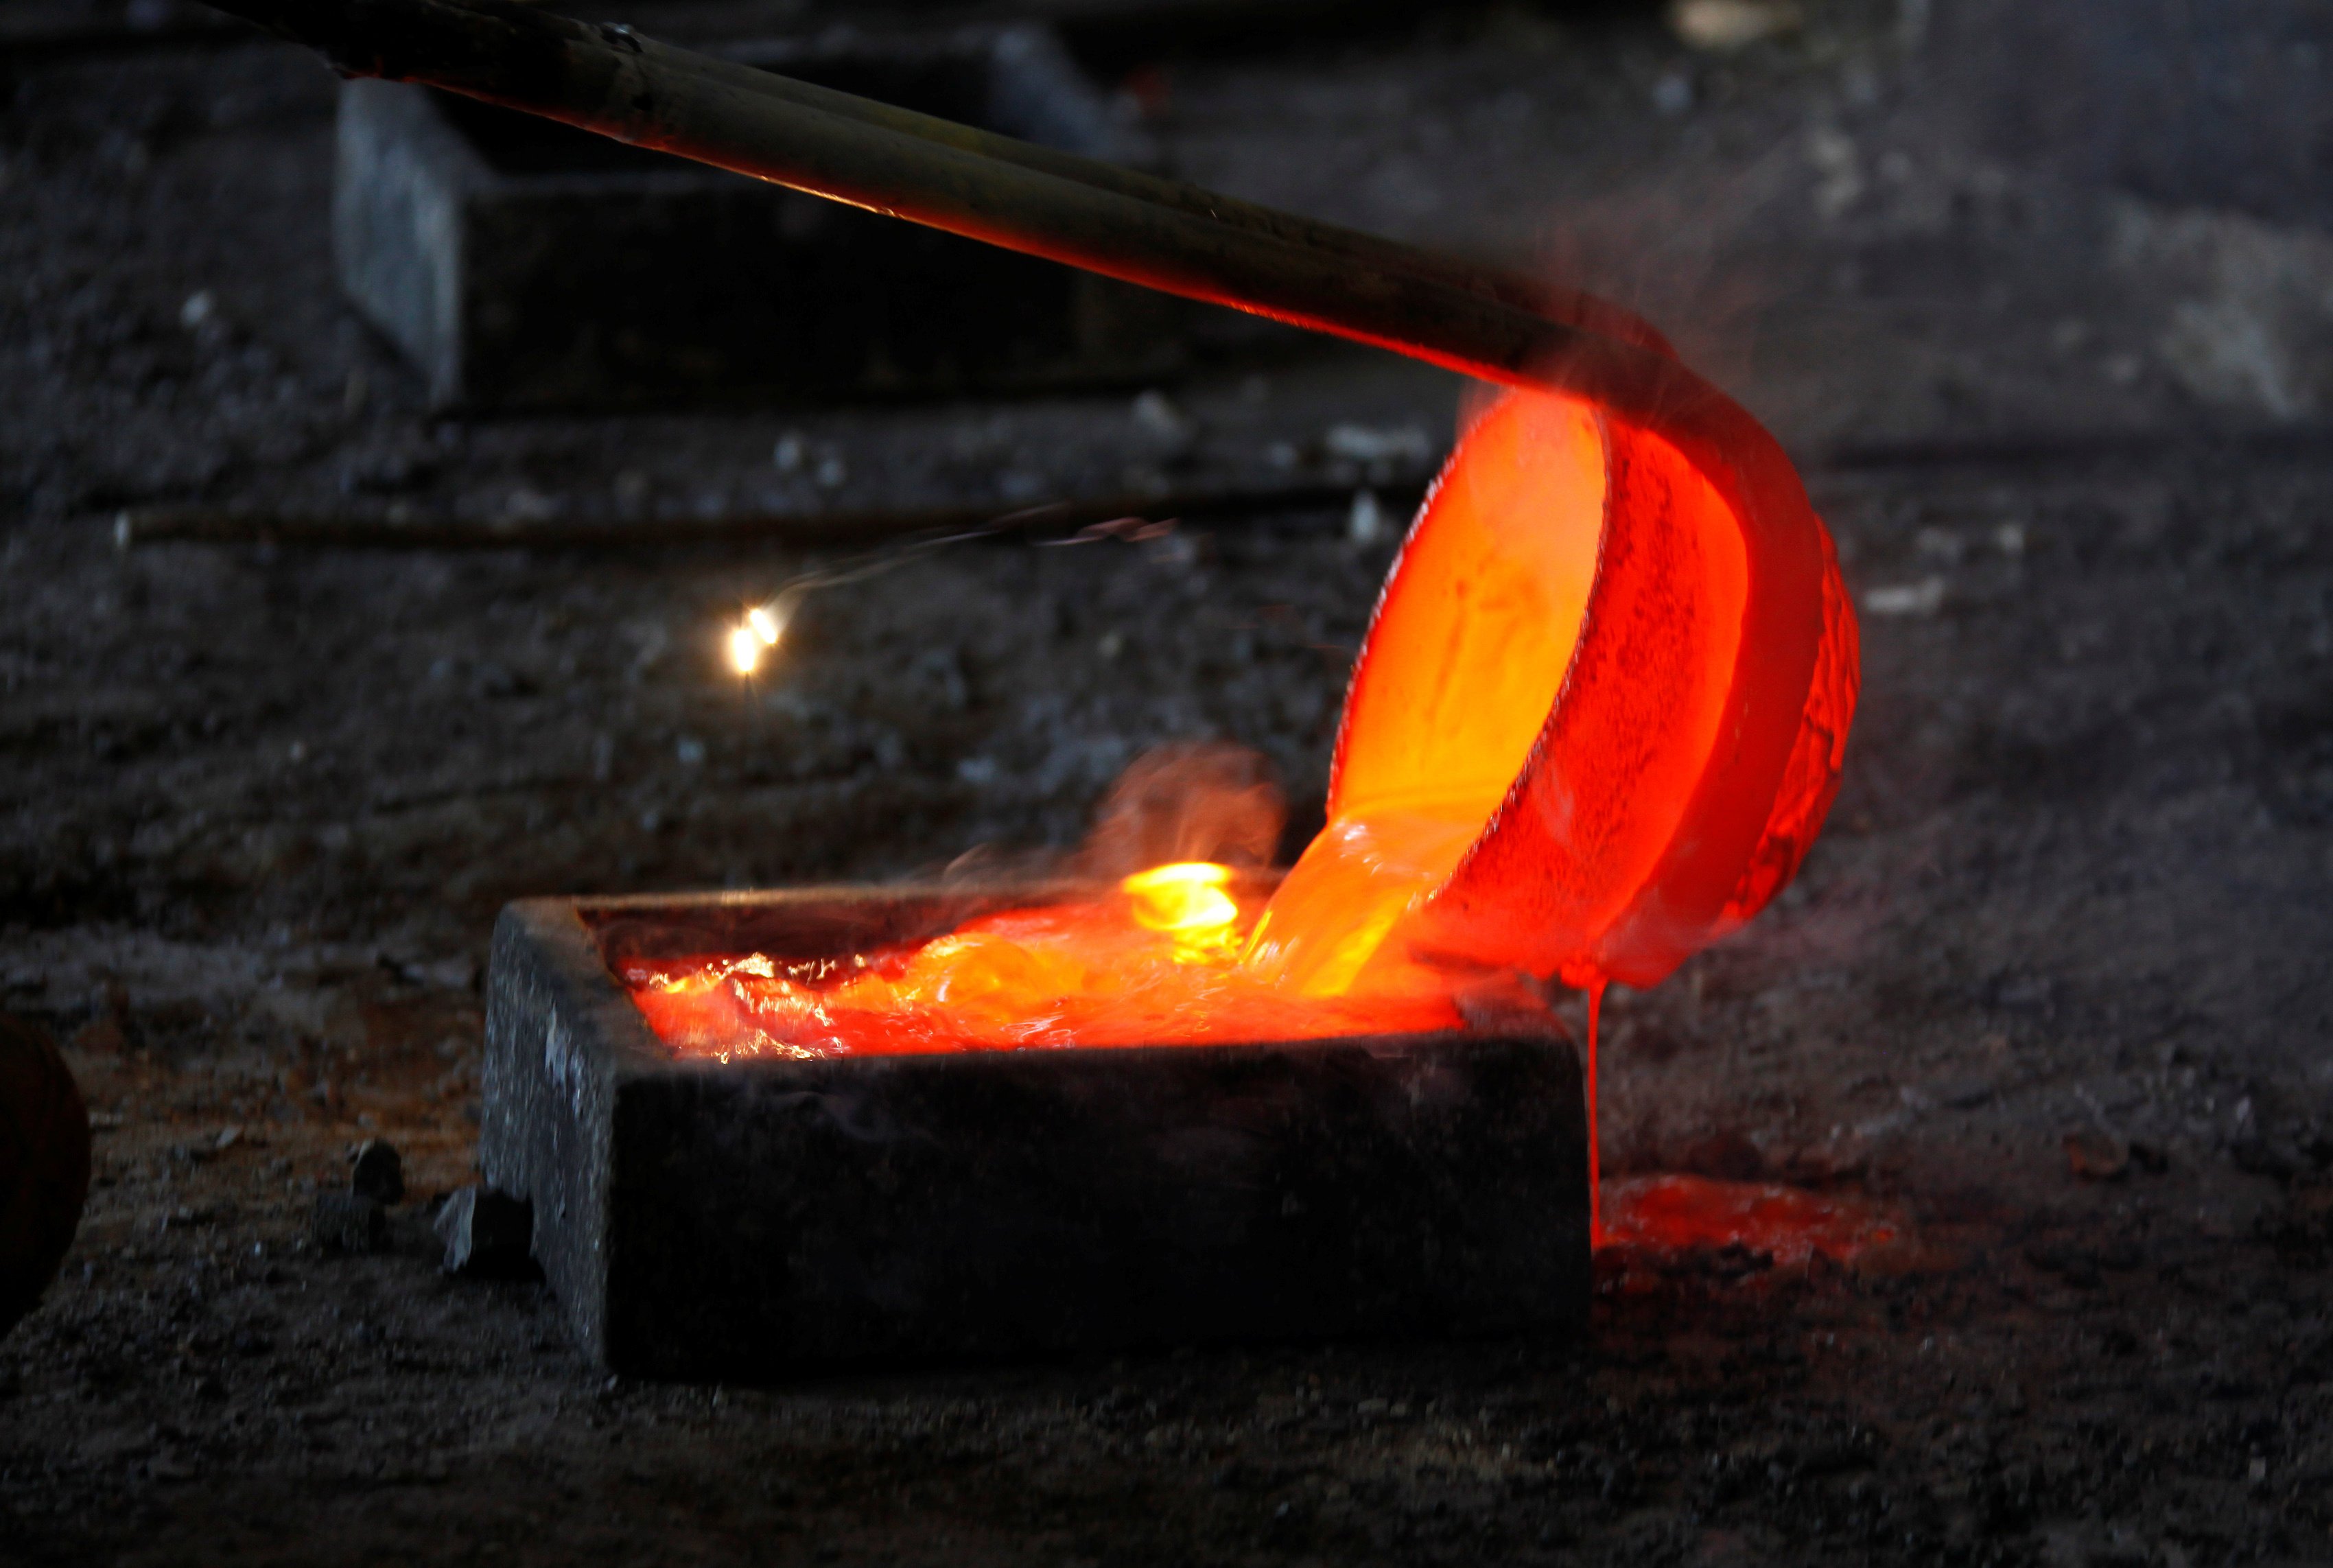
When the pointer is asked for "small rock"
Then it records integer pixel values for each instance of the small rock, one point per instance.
(1726, 25)
(378, 1172)
(1962, 1093)
(2302, 1227)
(1727, 1155)
(100, 1036)
(488, 1234)
(1406, 444)
(1156, 414)
(2097, 1156)
(525, 504)
(1944, 544)
(388, 474)
(1925, 597)
(1672, 94)
(349, 1222)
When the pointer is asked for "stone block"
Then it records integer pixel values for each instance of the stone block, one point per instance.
(763, 1218)
(521, 264)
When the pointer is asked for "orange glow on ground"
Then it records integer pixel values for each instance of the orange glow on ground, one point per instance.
(1680, 1214)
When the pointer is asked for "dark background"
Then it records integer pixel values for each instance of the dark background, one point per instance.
(2042, 296)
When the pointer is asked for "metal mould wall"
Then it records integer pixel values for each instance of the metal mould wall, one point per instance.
(763, 1219)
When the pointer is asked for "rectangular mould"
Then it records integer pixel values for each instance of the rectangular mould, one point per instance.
(765, 1217)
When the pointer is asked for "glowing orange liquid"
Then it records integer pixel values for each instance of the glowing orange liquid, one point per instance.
(1157, 963)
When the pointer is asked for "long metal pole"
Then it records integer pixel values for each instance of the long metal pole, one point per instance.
(1520, 291)
(1156, 233)
(608, 78)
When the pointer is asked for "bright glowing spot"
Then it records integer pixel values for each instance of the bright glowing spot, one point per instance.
(1186, 900)
(744, 649)
(764, 625)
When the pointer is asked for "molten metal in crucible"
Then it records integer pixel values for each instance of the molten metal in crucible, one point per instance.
(1534, 759)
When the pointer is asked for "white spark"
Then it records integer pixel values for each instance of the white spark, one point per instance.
(744, 648)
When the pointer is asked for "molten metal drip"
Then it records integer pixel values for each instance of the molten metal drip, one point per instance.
(1595, 1156)
(1676, 1214)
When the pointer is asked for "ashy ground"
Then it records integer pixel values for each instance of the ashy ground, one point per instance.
(261, 803)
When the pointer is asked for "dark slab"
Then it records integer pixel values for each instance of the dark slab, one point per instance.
(763, 1219)
(521, 264)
